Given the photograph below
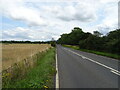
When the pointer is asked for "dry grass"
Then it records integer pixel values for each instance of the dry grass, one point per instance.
(13, 53)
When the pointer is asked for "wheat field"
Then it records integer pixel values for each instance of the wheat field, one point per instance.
(13, 53)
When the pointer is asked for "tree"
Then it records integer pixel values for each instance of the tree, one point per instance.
(97, 33)
(92, 43)
(72, 38)
(108, 43)
(113, 42)
(53, 43)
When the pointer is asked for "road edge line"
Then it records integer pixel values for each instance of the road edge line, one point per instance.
(57, 77)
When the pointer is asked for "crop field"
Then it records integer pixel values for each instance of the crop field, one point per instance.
(13, 53)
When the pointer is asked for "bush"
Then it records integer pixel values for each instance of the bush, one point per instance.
(53, 44)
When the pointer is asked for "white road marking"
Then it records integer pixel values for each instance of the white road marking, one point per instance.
(83, 57)
(57, 77)
(111, 69)
(115, 72)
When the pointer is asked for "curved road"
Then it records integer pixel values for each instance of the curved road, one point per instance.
(77, 69)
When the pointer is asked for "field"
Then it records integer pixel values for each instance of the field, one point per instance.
(40, 76)
(13, 53)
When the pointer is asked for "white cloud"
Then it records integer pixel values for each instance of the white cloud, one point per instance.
(81, 12)
(47, 20)
(110, 21)
(20, 33)
(18, 11)
(108, 1)
(32, 17)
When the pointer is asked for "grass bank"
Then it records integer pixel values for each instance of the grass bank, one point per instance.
(40, 76)
(115, 56)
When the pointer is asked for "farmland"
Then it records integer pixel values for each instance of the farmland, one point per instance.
(13, 53)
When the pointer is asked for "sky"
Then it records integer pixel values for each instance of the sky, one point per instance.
(42, 20)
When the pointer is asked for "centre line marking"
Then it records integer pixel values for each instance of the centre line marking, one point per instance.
(111, 69)
(115, 72)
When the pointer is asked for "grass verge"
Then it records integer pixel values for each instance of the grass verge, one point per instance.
(41, 76)
(115, 56)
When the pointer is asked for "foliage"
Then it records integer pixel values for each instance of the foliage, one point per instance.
(109, 43)
(96, 33)
(91, 43)
(53, 43)
(113, 41)
(72, 38)
(26, 42)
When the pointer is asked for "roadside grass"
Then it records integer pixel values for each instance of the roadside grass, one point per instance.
(70, 46)
(40, 76)
(115, 56)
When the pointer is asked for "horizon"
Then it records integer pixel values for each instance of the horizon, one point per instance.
(51, 38)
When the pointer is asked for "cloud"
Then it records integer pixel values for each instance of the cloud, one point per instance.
(20, 33)
(16, 33)
(32, 17)
(47, 20)
(108, 1)
(16, 10)
(110, 21)
(81, 12)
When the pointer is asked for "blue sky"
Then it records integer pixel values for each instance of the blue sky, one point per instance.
(42, 20)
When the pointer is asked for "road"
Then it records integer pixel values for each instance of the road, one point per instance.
(77, 69)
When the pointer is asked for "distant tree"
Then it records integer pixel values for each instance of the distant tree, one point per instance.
(97, 33)
(76, 35)
(114, 34)
(108, 43)
(113, 42)
(73, 37)
(53, 42)
(91, 43)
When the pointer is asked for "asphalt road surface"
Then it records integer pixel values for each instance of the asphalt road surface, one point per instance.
(77, 69)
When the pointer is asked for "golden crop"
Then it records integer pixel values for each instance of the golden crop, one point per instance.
(13, 53)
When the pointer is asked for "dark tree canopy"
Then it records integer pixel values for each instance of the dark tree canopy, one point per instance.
(96, 33)
(108, 43)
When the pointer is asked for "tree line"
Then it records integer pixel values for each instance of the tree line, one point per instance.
(26, 42)
(96, 41)
(52, 42)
